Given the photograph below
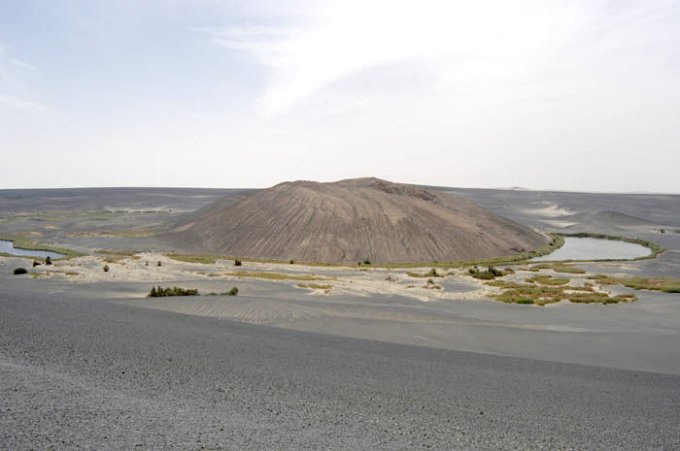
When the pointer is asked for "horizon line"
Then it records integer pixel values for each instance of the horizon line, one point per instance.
(438, 187)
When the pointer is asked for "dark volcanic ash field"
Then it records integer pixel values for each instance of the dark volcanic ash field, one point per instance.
(95, 365)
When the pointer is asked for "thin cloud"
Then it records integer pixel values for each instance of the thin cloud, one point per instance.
(350, 36)
(20, 104)
(262, 42)
(22, 64)
(13, 86)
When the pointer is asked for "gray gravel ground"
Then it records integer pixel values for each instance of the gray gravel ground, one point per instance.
(78, 373)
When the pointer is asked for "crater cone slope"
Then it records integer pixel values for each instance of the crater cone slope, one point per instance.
(353, 220)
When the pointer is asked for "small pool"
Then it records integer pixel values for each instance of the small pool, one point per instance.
(456, 285)
(595, 249)
(7, 247)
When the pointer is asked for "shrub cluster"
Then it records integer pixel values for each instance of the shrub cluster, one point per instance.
(159, 292)
(19, 271)
(431, 273)
(490, 273)
(232, 292)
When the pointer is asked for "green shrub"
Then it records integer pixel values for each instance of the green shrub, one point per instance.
(159, 292)
(237, 262)
(193, 258)
(432, 285)
(232, 292)
(106, 268)
(432, 273)
(48, 260)
(557, 267)
(490, 273)
(495, 272)
(19, 271)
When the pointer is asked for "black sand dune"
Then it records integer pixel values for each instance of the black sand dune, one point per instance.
(610, 218)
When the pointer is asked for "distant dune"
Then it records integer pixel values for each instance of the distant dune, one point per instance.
(353, 220)
(606, 221)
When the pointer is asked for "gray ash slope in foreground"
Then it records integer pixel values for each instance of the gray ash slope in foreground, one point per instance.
(353, 220)
(84, 373)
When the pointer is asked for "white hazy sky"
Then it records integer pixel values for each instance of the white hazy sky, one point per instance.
(545, 94)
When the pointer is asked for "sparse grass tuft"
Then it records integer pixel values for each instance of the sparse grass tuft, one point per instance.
(548, 280)
(558, 267)
(314, 286)
(133, 233)
(116, 255)
(501, 284)
(194, 258)
(275, 275)
(663, 284)
(528, 294)
(600, 298)
(431, 273)
(515, 293)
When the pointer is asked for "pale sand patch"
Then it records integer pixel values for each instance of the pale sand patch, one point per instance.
(561, 224)
(143, 267)
(263, 304)
(403, 285)
(90, 269)
(549, 211)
